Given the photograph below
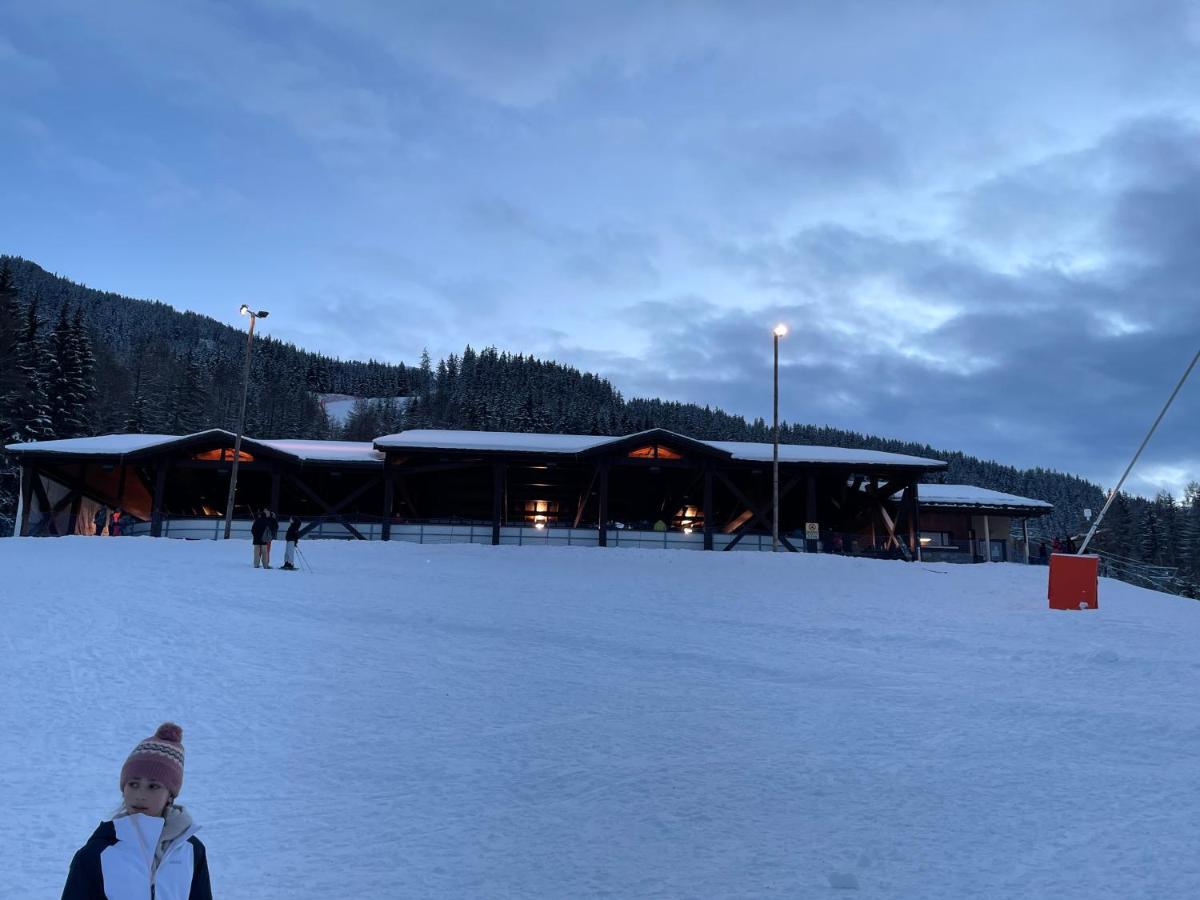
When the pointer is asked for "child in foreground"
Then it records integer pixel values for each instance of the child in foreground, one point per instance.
(148, 850)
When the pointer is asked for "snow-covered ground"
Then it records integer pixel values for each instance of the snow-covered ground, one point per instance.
(462, 721)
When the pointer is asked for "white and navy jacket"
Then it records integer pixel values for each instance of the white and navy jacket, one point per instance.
(117, 863)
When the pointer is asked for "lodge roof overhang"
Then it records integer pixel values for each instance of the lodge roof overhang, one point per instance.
(597, 448)
(92, 450)
(1015, 511)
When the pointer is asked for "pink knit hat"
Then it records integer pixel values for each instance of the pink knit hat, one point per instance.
(158, 758)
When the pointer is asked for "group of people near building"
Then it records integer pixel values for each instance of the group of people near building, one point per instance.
(105, 518)
(263, 533)
(1059, 545)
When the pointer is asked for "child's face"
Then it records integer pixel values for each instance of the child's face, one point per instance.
(145, 796)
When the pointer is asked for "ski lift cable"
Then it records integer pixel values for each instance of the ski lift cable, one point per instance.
(1113, 495)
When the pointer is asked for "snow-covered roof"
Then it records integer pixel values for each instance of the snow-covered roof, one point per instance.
(969, 495)
(328, 451)
(433, 439)
(118, 445)
(436, 439)
(105, 445)
(805, 453)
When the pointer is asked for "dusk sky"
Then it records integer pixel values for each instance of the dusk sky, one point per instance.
(980, 220)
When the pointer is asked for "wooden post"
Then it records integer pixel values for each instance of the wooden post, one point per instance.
(602, 524)
(911, 496)
(160, 488)
(708, 506)
(389, 492)
(987, 540)
(917, 517)
(121, 486)
(497, 500)
(275, 488)
(23, 508)
(76, 503)
(810, 509)
(1025, 528)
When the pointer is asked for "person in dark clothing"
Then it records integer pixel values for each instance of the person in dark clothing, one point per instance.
(291, 539)
(149, 848)
(100, 519)
(272, 533)
(258, 535)
(1042, 555)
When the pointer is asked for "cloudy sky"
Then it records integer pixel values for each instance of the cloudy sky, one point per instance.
(981, 220)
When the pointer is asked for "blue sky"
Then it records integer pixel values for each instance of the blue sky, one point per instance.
(980, 220)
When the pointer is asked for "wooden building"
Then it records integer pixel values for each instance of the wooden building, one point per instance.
(964, 523)
(654, 488)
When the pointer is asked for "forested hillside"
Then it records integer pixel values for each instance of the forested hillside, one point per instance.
(77, 361)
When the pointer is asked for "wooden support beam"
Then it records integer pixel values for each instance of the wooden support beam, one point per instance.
(412, 507)
(27, 476)
(584, 497)
(121, 487)
(914, 545)
(757, 514)
(77, 501)
(708, 507)
(810, 508)
(78, 486)
(499, 471)
(890, 526)
(389, 497)
(160, 490)
(44, 505)
(334, 511)
(274, 487)
(602, 524)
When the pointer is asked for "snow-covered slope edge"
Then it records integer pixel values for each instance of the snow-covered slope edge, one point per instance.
(412, 721)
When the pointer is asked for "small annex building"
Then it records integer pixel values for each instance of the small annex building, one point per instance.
(651, 489)
(964, 523)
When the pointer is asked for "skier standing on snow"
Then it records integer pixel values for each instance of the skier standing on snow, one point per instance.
(149, 842)
(292, 538)
(272, 533)
(258, 535)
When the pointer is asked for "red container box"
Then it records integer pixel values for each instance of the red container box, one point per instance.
(1074, 581)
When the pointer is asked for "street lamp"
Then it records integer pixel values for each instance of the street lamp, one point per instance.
(779, 331)
(237, 443)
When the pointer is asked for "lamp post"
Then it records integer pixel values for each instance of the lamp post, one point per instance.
(779, 331)
(237, 443)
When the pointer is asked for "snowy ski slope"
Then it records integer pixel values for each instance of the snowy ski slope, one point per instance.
(460, 721)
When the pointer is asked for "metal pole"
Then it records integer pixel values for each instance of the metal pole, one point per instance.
(1113, 496)
(237, 443)
(775, 461)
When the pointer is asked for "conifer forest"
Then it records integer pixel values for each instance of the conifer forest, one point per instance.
(75, 362)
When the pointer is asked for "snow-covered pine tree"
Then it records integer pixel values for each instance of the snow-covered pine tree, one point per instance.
(70, 386)
(32, 419)
(187, 401)
(85, 368)
(11, 383)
